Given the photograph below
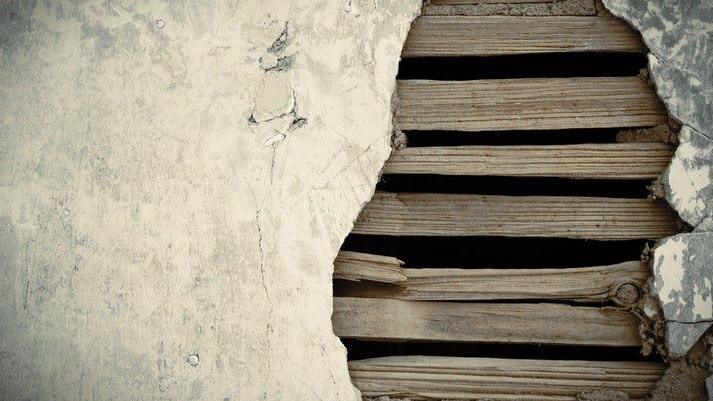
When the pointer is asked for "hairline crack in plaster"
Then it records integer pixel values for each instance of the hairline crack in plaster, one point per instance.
(176, 181)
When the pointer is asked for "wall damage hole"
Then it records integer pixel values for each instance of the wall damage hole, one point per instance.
(510, 229)
(543, 65)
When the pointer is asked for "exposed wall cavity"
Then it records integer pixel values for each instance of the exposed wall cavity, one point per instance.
(176, 179)
(679, 37)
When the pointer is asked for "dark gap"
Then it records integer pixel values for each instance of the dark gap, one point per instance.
(496, 252)
(358, 349)
(542, 65)
(515, 186)
(495, 138)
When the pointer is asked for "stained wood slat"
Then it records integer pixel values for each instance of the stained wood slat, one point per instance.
(391, 319)
(618, 282)
(598, 161)
(456, 378)
(356, 266)
(429, 214)
(527, 103)
(447, 36)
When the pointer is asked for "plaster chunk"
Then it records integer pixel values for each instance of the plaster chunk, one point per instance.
(275, 98)
(688, 180)
(683, 272)
(683, 285)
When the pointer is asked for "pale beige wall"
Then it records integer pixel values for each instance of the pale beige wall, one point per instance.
(170, 210)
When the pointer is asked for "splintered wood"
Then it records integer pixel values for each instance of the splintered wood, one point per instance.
(429, 214)
(358, 266)
(454, 378)
(527, 104)
(583, 284)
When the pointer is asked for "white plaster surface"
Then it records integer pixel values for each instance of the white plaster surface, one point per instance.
(175, 181)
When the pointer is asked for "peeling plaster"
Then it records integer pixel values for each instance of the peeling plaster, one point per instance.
(176, 180)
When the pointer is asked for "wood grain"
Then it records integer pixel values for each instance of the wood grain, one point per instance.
(391, 319)
(356, 266)
(448, 36)
(454, 378)
(598, 161)
(429, 214)
(527, 104)
(582, 284)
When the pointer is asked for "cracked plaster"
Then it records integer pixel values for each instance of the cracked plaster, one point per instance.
(176, 181)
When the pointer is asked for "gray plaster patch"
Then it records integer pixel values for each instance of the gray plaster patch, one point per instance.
(680, 337)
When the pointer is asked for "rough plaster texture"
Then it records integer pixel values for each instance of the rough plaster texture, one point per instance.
(175, 181)
(680, 38)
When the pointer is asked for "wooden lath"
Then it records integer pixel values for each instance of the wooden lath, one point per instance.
(454, 378)
(357, 266)
(619, 283)
(527, 104)
(434, 36)
(392, 319)
(598, 161)
(429, 214)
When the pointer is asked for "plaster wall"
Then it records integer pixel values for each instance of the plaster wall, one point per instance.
(175, 181)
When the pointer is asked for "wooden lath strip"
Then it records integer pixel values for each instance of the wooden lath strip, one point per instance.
(599, 161)
(620, 283)
(526, 104)
(391, 319)
(356, 266)
(429, 214)
(436, 35)
(455, 378)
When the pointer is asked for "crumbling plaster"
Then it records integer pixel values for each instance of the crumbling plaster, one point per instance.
(679, 35)
(176, 179)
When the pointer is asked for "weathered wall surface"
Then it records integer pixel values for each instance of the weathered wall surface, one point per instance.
(175, 181)
(680, 38)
